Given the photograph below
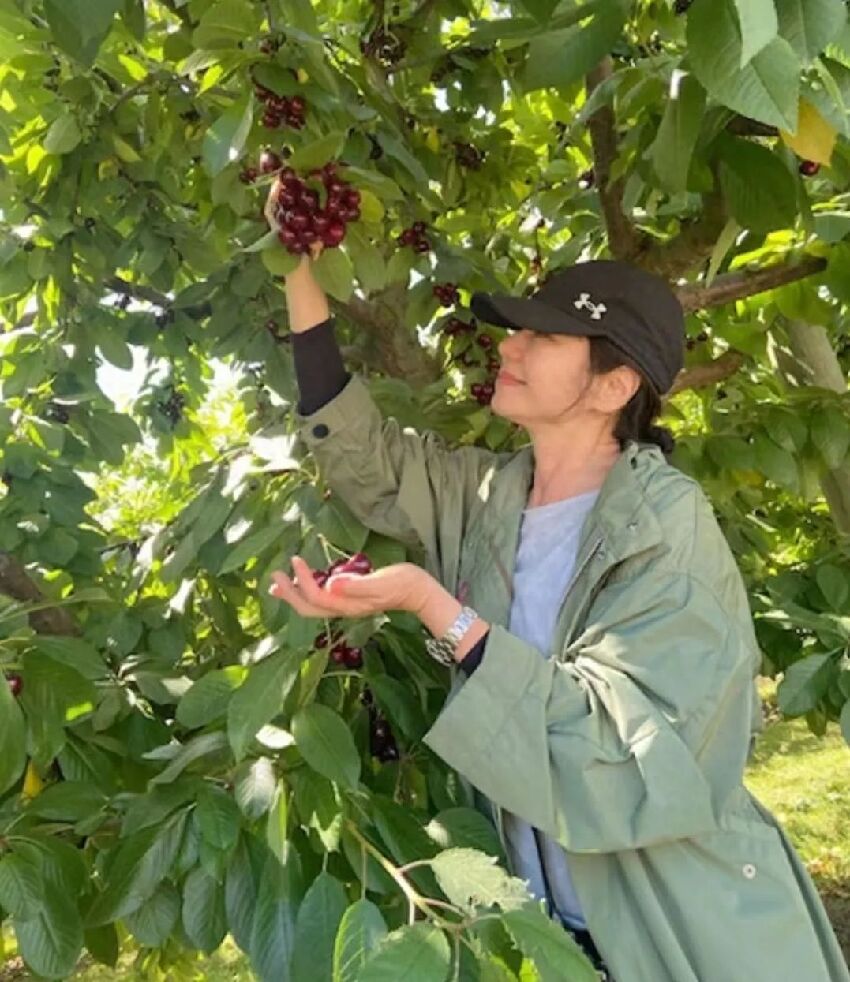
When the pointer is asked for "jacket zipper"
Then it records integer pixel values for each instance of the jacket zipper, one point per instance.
(497, 811)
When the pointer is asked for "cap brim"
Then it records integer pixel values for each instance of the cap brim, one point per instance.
(528, 313)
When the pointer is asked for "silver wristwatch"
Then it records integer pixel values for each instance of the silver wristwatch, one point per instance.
(443, 648)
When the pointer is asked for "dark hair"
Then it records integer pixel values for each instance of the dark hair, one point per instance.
(635, 421)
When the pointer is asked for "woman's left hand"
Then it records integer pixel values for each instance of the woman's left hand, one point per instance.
(402, 586)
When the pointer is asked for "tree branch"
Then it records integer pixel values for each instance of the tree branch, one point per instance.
(747, 283)
(701, 376)
(692, 245)
(744, 126)
(624, 241)
(15, 582)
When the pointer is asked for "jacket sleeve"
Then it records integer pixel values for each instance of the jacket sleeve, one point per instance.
(638, 736)
(399, 482)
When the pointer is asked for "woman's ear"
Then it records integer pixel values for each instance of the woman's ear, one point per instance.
(617, 388)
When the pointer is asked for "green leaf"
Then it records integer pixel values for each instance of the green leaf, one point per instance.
(555, 954)
(218, 818)
(406, 839)
(80, 26)
(326, 743)
(273, 928)
(240, 893)
(154, 921)
(204, 918)
(250, 547)
(758, 26)
(810, 25)
(67, 801)
(844, 721)
(456, 827)
(21, 887)
(207, 699)
(416, 951)
(226, 23)
(225, 139)
(203, 745)
(13, 733)
(260, 698)
(102, 944)
(255, 787)
(316, 927)
(276, 825)
(267, 241)
(371, 206)
(76, 653)
(319, 806)
(400, 705)
(334, 273)
(540, 10)
(760, 189)
(558, 58)
(766, 88)
(318, 153)
(133, 15)
(831, 435)
(51, 942)
(677, 136)
(63, 136)
(53, 695)
(804, 684)
(278, 261)
(338, 523)
(834, 586)
(361, 929)
(777, 464)
(136, 869)
(470, 879)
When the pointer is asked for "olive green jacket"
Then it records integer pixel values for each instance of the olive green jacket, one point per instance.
(628, 741)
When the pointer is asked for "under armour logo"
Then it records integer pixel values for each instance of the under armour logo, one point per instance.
(596, 309)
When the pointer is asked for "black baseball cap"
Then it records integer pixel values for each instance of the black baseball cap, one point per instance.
(635, 310)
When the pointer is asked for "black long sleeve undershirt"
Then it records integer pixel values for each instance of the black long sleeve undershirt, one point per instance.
(321, 376)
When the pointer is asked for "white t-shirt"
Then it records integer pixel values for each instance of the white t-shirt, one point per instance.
(545, 562)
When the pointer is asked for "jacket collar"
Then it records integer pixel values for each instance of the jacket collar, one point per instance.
(622, 516)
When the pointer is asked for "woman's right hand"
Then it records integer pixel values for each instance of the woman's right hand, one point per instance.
(271, 212)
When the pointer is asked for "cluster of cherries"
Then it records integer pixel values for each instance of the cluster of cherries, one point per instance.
(300, 214)
(691, 343)
(58, 413)
(341, 652)
(381, 740)
(468, 156)
(447, 294)
(415, 237)
(481, 348)
(15, 683)
(281, 109)
(383, 46)
(172, 407)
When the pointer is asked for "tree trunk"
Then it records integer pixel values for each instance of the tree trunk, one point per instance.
(813, 361)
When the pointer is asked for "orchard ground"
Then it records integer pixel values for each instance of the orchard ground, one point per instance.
(802, 778)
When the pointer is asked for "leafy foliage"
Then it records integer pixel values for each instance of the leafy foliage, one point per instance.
(181, 759)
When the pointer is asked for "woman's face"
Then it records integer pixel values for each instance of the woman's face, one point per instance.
(543, 378)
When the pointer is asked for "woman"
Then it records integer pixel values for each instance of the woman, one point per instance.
(605, 702)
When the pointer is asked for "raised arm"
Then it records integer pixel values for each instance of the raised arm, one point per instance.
(401, 483)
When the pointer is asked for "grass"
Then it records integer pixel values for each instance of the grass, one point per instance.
(803, 779)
